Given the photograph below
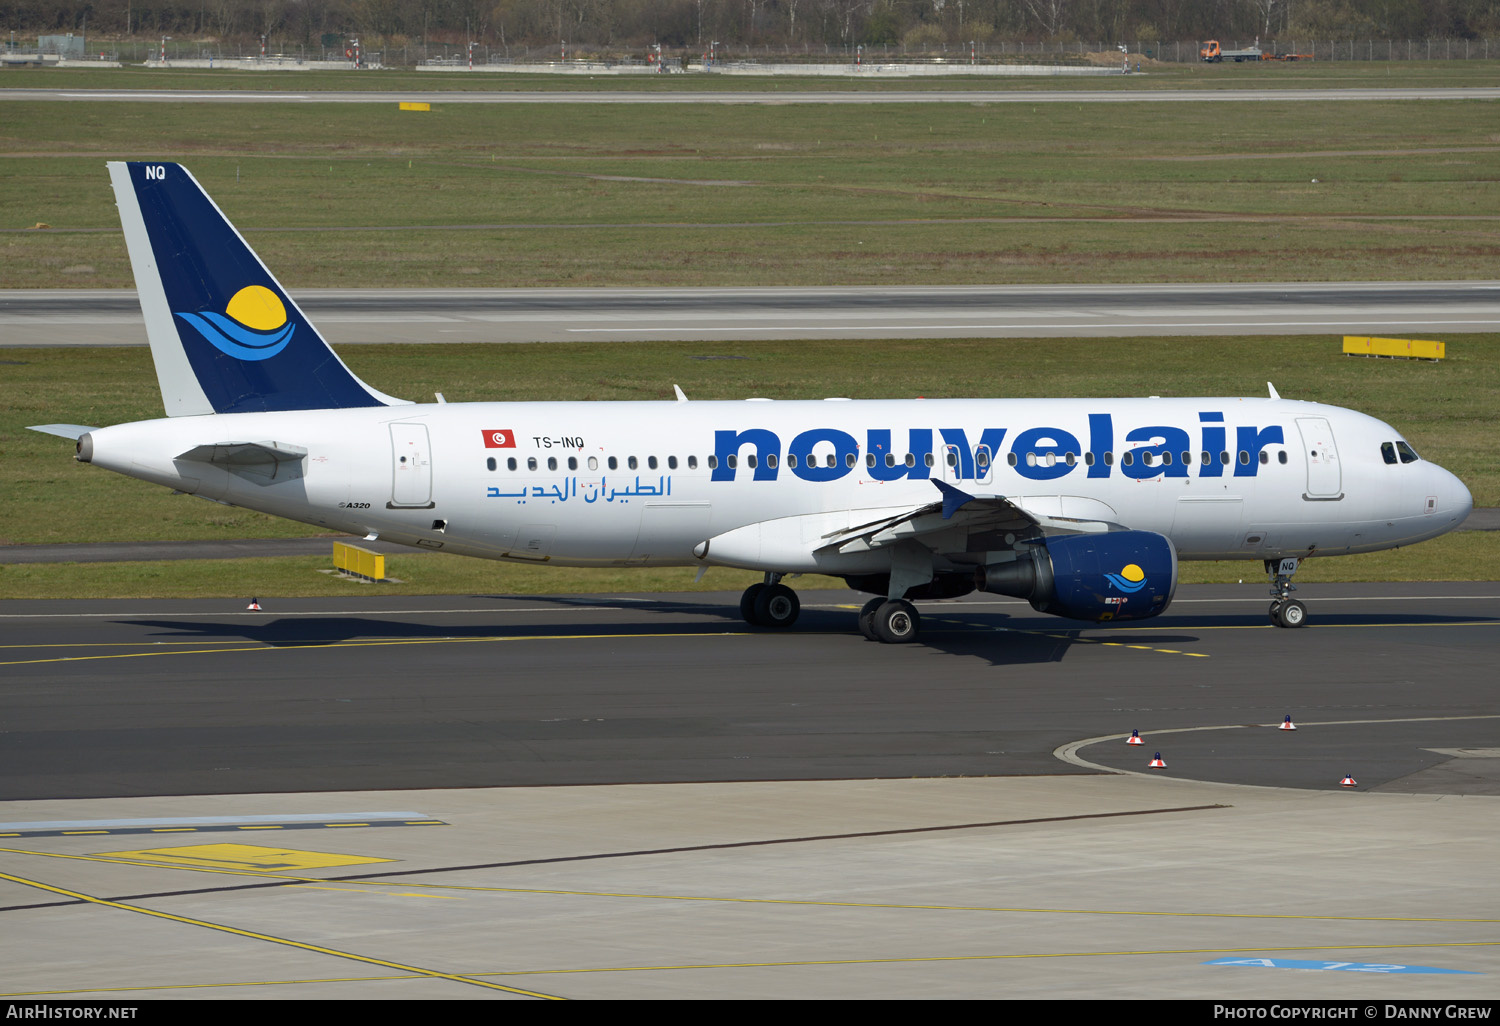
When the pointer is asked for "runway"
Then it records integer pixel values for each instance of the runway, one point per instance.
(355, 316)
(771, 96)
(322, 800)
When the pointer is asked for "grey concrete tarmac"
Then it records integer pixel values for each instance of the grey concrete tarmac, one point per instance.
(92, 317)
(742, 814)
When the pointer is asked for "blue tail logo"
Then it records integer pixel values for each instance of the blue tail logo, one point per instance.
(253, 327)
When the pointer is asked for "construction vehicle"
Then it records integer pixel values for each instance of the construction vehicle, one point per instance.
(1214, 55)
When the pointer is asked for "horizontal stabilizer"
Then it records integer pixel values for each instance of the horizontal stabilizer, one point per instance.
(73, 431)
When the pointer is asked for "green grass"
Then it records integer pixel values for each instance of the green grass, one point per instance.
(692, 195)
(45, 496)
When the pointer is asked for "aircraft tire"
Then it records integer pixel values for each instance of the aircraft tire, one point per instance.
(1292, 614)
(867, 618)
(777, 606)
(747, 604)
(897, 622)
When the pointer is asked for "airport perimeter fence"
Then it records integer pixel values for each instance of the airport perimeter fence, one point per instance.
(140, 51)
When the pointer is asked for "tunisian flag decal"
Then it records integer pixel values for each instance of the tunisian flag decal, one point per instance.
(499, 440)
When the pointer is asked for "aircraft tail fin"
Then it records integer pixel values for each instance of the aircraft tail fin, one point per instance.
(225, 336)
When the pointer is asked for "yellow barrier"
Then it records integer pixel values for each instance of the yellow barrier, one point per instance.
(358, 562)
(1405, 348)
(415, 106)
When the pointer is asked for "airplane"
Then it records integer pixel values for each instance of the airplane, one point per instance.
(1083, 507)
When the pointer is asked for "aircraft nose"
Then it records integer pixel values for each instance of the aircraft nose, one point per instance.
(1454, 500)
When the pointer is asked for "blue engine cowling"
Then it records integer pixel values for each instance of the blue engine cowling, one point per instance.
(1122, 575)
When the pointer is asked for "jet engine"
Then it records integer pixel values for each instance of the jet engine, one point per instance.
(1122, 575)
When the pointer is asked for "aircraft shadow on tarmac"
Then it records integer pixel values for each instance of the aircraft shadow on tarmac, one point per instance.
(950, 628)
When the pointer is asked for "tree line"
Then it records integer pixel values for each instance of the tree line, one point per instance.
(693, 25)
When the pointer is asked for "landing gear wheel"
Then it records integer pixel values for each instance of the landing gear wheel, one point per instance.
(776, 606)
(897, 622)
(1291, 614)
(867, 618)
(747, 604)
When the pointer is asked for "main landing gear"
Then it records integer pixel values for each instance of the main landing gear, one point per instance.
(1285, 611)
(893, 621)
(771, 604)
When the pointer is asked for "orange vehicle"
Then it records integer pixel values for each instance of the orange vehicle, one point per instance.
(1214, 55)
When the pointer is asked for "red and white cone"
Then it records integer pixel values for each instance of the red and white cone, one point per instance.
(254, 604)
(1348, 782)
(1134, 738)
(1287, 724)
(1156, 763)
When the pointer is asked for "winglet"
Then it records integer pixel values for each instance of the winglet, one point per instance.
(953, 499)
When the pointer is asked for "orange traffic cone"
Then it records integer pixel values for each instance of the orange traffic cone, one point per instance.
(254, 604)
(1288, 724)
(1156, 763)
(1134, 738)
(1348, 782)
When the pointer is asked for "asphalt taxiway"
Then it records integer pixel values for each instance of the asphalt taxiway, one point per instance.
(93, 317)
(326, 798)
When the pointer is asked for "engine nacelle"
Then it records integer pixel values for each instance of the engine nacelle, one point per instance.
(1122, 575)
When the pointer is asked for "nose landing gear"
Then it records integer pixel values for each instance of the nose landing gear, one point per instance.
(1285, 611)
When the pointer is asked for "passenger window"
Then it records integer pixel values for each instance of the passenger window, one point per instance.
(848, 460)
(982, 456)
(1070, 460)
(734, 462)
(671, 462)
(791, 460)
(572, 462)
(593, 463)
(651, 462)
(869, 459)
(614, 464)
(770, 461)
(1244, 458)
(750, 461)
(833, 460)
(633, 463)
(1265, 457)
(1166, 459)
(951, 458)
(911, 460)
(1109, 459)
(491, 463)
(1281, 456)
(531, 463)
(713, 463)
(693, 463)
(1208, 457)
(1010, 458)
(1408, 454)
(510, 464)
(1224, 458)
(1187, 459)
(1388, 453)
(551, 462)
(931, 460)
(890, 459)
(1088, 459)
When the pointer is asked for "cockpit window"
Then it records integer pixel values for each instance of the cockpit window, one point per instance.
(1388, 452)
(1408, 454)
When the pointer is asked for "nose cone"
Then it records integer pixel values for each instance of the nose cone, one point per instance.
(1454, 501)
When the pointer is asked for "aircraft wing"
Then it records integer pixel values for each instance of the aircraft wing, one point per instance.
(956, 514)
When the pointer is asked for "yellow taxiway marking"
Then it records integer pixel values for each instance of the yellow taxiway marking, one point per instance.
(893, 960)
(324, 646)
(252, 857)
(956, 908)
(269, 938)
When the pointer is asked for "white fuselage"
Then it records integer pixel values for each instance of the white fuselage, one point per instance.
(613, 484)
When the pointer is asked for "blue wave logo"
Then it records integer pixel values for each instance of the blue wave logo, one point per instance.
(254, 325)
(1130, 580)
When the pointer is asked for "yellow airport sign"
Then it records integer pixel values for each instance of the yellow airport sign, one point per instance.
(415, 106)
(1401, 348)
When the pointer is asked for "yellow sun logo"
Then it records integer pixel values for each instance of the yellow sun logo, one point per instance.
(256, 306)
